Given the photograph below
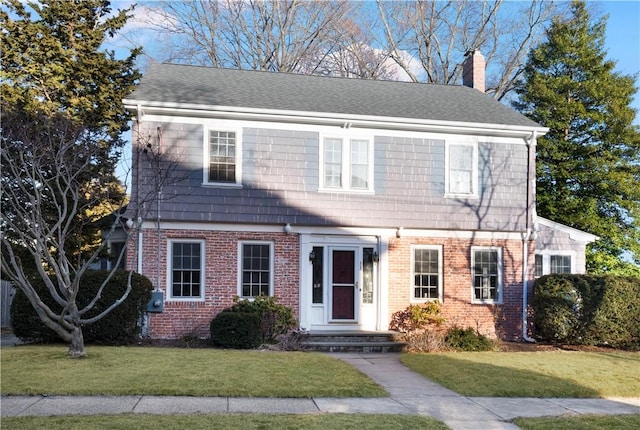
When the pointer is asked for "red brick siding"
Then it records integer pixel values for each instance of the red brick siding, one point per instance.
(494, 320)
(182, 318)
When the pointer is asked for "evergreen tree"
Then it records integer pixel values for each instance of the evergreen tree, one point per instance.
(588, 164)
(62, 120)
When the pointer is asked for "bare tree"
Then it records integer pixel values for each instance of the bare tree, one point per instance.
(354, 56)
(261, 35)
(422, 41)
(437, 34)
(49, 190)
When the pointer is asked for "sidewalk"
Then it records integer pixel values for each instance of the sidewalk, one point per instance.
(410, 393)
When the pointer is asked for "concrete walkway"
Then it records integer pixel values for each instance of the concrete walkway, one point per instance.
(409, 392)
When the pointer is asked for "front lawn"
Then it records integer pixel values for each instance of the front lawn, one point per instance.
(182, 372)
(532, 374)
(228, 421)
(590, 422)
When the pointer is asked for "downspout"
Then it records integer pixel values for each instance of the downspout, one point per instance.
(526, 236)
(378, 284)
(158, 197)
(144, 321)
(138, 218)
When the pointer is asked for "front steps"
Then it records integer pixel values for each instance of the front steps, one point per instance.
(351, 341)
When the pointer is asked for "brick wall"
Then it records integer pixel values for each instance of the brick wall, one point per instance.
(182, 318)
(494, 320)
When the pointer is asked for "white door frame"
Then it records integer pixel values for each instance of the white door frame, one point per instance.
(316, 316)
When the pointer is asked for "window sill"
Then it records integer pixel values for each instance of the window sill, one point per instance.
(486, 302)
(221, 185)
(346, 191)
(461, 196)
(185, 300)
(415, 300)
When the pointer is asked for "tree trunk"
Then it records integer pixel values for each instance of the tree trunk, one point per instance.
(76, 347)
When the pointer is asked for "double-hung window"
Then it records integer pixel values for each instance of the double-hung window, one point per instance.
(427, 273)
(559, 264)
(255, 269)
(461, 169)
(186, 269)
(548, 263)
(347, 164)
(222, 163)
(487, 274)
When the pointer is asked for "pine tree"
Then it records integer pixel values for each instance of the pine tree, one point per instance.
(62, 120)
(588, 164)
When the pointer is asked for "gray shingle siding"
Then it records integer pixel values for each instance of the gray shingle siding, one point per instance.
(280, 171)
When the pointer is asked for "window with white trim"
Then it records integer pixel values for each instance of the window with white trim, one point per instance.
(186, 269)
(346, 164)
(559, 264)
(486, 271)
(255, 269)
(555, 262)
(461, 174)
(223, 154)
(539, 265)
(427, 273)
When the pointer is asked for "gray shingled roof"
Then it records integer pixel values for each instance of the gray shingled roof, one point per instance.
(172, 83)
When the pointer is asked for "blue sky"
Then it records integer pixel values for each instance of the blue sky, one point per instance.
(623, 39)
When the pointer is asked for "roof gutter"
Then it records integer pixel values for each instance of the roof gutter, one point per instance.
(330, 119)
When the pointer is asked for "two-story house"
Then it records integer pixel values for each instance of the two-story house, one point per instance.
(347, 199)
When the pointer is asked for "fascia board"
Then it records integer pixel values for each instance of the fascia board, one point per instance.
(324, 118)
(574, 233)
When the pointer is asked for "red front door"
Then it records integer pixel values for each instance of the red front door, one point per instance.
(343, 285)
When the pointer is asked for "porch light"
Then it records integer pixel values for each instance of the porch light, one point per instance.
(375, 257)
(312, 256)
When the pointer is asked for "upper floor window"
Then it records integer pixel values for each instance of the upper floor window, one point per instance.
(462, 169)
(427, 273)
(185, 269)
(347, 164)
(487, 274)
(223, 161)
(255, 269)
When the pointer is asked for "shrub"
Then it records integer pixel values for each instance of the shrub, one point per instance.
(420, 325)
(119, 327)
(588, 310)
(429, 339)
(467, 339)
(275, 318)
(236, 330)
(416, 317)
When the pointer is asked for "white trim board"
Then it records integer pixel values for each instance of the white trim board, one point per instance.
(336, 231)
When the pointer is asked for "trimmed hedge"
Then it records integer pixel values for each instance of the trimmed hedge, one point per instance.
(588, 310)
(467, 339)
(274, 317)
(236, 330)
(119, 327)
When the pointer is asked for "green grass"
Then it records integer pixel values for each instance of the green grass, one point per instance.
(585, 422)
(176, 371)
(227, 421)
(532, 374)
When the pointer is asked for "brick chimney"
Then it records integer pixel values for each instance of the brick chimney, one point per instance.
(473, 70)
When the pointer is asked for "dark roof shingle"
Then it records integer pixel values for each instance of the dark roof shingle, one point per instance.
(180, 84)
